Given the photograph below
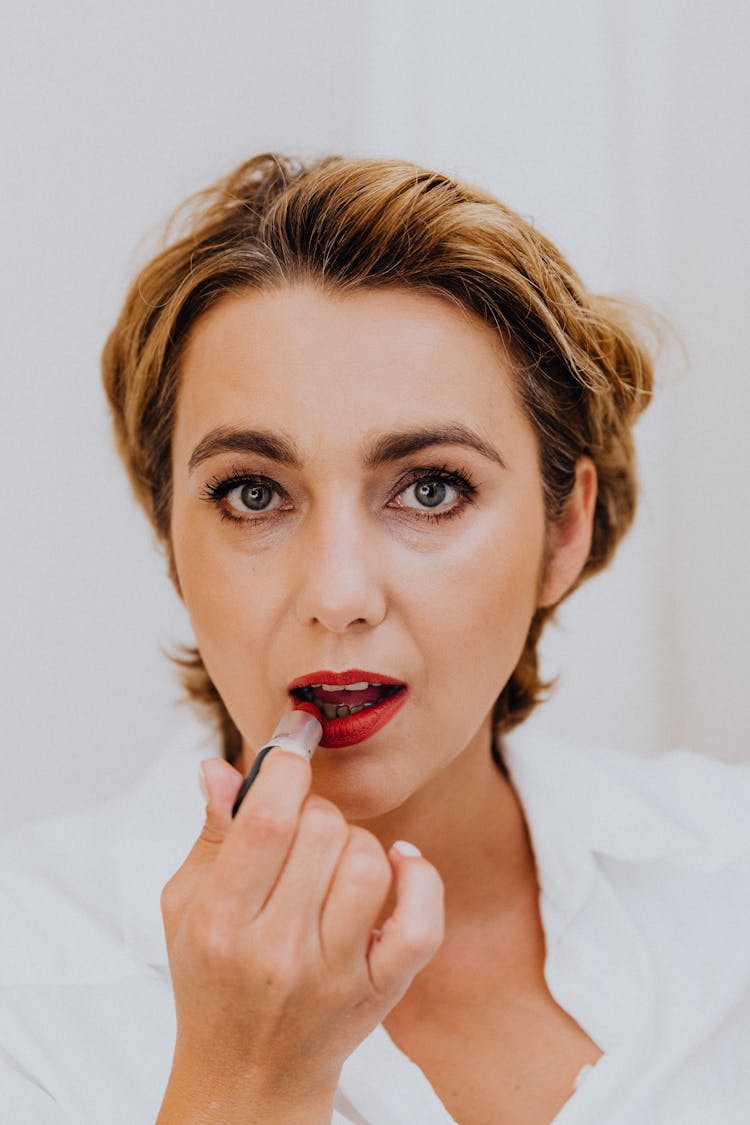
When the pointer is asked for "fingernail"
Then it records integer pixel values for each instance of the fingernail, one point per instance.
(202, 781)
(403, 847)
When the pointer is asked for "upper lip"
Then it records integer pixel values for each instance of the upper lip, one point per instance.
(350, 676)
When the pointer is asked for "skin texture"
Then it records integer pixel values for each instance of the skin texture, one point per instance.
(342, 580)
(346, 568)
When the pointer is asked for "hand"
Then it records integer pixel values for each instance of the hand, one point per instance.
(277, 971)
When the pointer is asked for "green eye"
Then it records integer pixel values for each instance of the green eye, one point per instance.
(430, 493)
(435, 494)
(255, 497)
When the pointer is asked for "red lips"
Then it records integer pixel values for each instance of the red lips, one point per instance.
(351, 676)
(351, 729)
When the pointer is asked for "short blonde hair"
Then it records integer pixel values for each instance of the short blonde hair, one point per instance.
(584, 373)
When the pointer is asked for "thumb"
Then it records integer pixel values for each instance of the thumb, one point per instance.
(220, 783)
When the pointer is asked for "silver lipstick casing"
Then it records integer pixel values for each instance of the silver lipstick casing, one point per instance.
(298, 733)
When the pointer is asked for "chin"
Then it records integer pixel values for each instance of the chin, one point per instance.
(359, 793)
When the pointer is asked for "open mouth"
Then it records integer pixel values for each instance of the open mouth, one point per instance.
(337, 701)
(352, 705)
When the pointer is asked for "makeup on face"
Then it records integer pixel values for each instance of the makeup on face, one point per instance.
(357, 503)
(351, 705)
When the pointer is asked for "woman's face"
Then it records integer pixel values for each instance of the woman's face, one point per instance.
(357, 488)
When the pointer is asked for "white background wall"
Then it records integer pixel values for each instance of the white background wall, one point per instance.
(621, 129)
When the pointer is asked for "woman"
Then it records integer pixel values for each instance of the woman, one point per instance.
(382, 430)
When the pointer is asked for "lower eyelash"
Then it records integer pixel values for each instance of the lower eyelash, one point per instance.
(441, 517)
(225, 514)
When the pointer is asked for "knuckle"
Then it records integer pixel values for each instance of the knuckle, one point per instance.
(171, 898)
(366, 858)
(420, 941)
(214, 943)
(271, 825)
(315, 803)
(322, 820)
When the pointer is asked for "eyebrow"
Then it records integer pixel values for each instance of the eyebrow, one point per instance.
(392, 447)
(381, 450)
(226, 440)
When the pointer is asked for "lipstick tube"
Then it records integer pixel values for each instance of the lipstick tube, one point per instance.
(298, 732)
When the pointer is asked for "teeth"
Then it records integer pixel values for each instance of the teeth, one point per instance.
(340, 711)
(315, 693)
(362, 686)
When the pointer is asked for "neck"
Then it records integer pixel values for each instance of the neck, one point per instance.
(468, 822)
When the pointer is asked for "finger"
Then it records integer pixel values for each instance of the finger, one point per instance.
(414, 931)
(220, 783)
(258, 841)
(321, 838)
(356, 897)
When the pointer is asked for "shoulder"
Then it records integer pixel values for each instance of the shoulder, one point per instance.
(678, 807)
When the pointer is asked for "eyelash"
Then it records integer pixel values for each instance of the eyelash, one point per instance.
(218, 488)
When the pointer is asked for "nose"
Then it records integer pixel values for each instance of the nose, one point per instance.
(340, 584)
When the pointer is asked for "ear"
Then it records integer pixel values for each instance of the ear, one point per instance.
(569, 537)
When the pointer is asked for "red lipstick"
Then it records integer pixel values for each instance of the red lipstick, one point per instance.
(325, 694)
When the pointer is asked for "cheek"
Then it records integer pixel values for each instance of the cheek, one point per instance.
(493, 574)
(472, 606)
(227, 597)
(235, 619)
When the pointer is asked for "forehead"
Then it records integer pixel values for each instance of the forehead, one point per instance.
(336, 366)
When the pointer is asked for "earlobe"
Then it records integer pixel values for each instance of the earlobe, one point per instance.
(570, 536)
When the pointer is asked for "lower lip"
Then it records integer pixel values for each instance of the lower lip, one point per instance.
(352, 729)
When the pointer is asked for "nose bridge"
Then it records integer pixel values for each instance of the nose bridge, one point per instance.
(339, 584)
